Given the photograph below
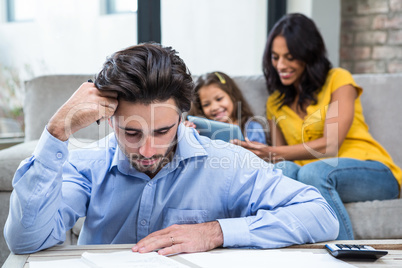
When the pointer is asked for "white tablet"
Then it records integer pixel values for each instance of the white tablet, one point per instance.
(216, 130)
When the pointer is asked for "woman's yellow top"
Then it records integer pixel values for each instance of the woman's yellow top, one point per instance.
(358, 144)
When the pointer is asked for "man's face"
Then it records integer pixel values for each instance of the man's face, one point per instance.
(146, 133)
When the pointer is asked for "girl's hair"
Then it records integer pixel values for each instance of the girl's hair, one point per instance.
(224, 82)
(305, 44)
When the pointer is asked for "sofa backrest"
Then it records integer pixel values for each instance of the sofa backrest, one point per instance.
(382, 94)
(45, 94)
(380, 98)
(255, 92)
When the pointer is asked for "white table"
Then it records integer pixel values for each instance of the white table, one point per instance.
(393, 259)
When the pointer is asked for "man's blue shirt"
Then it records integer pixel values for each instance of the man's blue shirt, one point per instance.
(206, 180)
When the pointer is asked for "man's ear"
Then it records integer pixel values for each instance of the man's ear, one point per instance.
(109, 120)
(180, 118)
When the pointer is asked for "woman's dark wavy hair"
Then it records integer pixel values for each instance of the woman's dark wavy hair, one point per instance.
(306, 44)
(147, 73)
(228, 85)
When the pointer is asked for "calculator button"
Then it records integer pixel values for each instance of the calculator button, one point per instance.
(369, 248)
(340, 246)
(332, 247)
(343, 247)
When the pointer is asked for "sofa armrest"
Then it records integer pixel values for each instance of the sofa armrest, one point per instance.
(10, 159)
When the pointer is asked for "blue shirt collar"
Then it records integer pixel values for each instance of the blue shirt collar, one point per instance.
(188, 146)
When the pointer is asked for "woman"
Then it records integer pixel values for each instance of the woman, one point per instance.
(317, 124)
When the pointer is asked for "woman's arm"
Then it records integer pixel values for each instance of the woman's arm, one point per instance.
(338, 121)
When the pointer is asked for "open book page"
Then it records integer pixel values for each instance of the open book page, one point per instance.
(112, 260)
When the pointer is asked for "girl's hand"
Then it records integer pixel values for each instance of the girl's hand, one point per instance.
(189, 124)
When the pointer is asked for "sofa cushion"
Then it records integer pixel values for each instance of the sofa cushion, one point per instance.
(376, 219)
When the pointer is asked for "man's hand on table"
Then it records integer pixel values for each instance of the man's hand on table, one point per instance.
(182, 238)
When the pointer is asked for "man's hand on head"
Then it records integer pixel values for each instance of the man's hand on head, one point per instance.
(182, 238)
(85, 106)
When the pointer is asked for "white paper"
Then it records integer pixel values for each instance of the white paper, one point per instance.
(118, 259)
(264, 258)
(129, 259)
(76, 263)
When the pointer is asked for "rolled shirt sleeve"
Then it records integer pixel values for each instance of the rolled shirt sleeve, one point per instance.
(280, 212)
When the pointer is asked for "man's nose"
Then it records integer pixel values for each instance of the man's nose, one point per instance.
(146, 149)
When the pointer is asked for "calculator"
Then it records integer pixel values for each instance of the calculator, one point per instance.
(354, 251)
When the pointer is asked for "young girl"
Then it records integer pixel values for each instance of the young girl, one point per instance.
(219, 98)
(317, 123)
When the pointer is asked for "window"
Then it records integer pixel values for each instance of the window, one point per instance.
(121, 6)
(20, 10)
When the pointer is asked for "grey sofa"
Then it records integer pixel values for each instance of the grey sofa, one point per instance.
(381, 97)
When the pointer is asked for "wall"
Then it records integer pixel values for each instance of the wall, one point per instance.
(224, 35)
(228, 35)
(73, 37)
(326, 15)
(371, 36)
(65, 37)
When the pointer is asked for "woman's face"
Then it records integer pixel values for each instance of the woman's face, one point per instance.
(216, 103)
(289, 69)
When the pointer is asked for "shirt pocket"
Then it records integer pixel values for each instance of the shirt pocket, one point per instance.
(184, 216)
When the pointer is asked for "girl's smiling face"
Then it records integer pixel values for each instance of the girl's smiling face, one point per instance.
(289, 69)
(216, 103)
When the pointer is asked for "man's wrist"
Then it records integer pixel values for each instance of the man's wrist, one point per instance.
(57, 131)
(51, 151)
(216, 233)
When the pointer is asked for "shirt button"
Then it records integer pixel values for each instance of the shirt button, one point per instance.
(59, 155)
(143, 222)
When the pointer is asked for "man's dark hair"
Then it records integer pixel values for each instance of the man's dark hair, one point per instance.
(306, 44)
(147, 73)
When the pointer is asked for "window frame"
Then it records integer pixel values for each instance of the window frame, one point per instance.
(11, 13)
(110, 8)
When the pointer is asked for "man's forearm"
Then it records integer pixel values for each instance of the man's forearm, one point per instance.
(35, 199)
(309, 222)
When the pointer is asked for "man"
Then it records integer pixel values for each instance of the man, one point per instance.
(157, 184)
